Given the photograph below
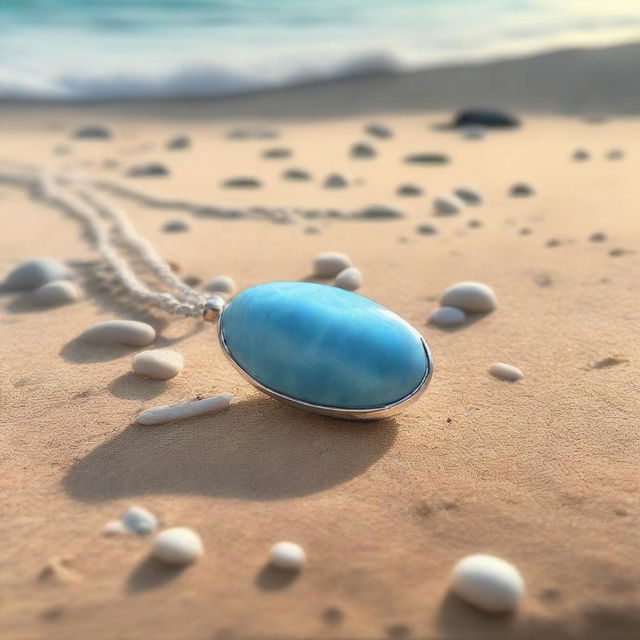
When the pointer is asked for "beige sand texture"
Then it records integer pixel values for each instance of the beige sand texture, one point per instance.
(543, 472)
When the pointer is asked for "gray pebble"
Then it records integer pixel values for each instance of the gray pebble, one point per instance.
(349, 279)
(335, 181)
(128, 332)
(378, 130)
(378, 212)
(150, 170)
(409, 190)
(468, 194)
(296, 174)
(175, 226)
(242, 182)
(139, 520)
(94, 132)
(447, 317)
(179, 142)
(362, 150)
(56, 293)
(34, 273)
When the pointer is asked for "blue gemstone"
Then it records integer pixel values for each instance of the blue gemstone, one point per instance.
(323, 345)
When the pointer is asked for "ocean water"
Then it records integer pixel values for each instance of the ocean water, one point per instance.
(96, 49)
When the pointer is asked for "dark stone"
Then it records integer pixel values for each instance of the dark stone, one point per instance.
(153, 169)
(521, 190)
(409, 190)
(276, 152)
(242, 182)
(486, 118)
(426, 229)
(378, 130)
(296, 174)
(179, 142)
(93, 132)
(362, 150)
(427, 158)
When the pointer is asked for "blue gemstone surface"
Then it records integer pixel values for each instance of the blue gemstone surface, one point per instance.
(323, 345)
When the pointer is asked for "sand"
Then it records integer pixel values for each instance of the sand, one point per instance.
(542, 473)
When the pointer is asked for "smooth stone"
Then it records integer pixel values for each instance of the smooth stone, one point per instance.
(323, 345)
(175, 226)
(242, 182)
(599, 236)
(178, 545)
(248, 134)
(409, 190)
(177, 412)
(521, 190)
(447, 317)
(580, 155)
(474, 223)
(335, 181)
(447, 205)
(95, 132)
(349, 279)
(615, 154)
(139, 520)
(276, 152)
(221, 284)
(287, 555)
(378, 130)
(161, 364)
(485, 118)
(150, 170)
(427, 158)
(473, 297)
(378, 212)
(114, 528)
(469, 195)
(488, 583)
(362, 150)
(128, 332)
(34, 273)
(179, 142)
(57, 293)
(426, 229)
(330, 263)
(505, 372)
(296, 174)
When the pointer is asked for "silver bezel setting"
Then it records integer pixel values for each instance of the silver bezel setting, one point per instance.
(378, 413)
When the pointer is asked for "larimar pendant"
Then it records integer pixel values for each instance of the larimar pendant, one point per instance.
(323, 349)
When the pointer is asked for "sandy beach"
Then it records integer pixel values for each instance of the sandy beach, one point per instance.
(542, 472)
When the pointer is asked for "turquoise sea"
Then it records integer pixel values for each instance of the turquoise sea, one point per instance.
(92, 49)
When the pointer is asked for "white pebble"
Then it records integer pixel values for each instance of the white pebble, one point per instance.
(287, 555)
(114, 528)
(468, 195)
(447, 205)
(488, 583)
(56, 293)
(174, 412)
(128, 332)
(139, 520)
(178, 545)
(221, 284)
(330, 264)
(473, 297)
(505, 372)
(447, 317)
(161, 364)
(34, 273)
(349, 279)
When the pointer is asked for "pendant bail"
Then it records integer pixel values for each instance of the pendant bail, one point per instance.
(213, 308)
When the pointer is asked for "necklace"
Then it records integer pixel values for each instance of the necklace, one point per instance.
(316, 347)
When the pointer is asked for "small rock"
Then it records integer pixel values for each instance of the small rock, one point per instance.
(427, 158)
(248, 134)
(335, 181)
(581, 155)
(139, 520)
(179, 142)
(150, 170)
(426, 229)
(521, 190)
(378, 130)
(276, 152)
(176, 412)
(474, 223)
(362, 150)
(161, 364)
(114, 528)
(447, 205)
(57, 293)
(491, 118)
(447, 317)
(221, 284)
(128, 332)
(473, 297)
(598, 237)
(615, 154)
(34, 273)
(287, 555)
(409, 190)
(378, 212)
(242, 182)
(468, 195)
(330, 264)
(296, 174)
(175, 226)
(192, 281)
(488, 583)
(178, 545)
(349, 279)
(525, 231)
(94, 132)
(505, 372)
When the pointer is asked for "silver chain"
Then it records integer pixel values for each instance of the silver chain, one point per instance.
(110, 228)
